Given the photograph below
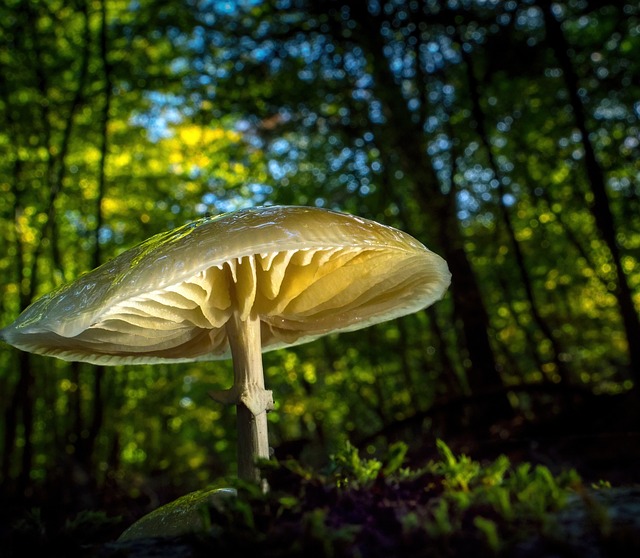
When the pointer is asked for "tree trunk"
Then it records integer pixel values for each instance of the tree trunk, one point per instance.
(407, 138)
(525, 279)
(600, 207)
(97, 408)
(24, 397)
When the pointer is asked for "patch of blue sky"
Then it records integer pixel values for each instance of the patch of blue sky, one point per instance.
(254, 194)
(226, 7)
(164, 112)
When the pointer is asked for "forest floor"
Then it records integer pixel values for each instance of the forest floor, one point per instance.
(568, 486)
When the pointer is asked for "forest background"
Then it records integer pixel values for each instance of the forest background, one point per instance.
(505, 135)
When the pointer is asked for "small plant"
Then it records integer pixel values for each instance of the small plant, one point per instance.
(348, 469)
(379, 507)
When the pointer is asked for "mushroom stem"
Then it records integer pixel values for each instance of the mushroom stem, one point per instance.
(248, 394)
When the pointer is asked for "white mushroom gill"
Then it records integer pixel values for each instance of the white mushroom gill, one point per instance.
(296, 295)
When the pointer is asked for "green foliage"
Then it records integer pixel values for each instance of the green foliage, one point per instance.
(378, 507)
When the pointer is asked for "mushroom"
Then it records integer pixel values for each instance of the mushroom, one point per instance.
(235, 285)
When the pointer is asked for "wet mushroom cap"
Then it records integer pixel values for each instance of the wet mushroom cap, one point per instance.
(305, 272)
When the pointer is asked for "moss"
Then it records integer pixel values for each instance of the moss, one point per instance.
(188, 514)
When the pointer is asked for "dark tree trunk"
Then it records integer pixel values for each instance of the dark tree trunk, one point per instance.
(483, 376)
(24, 398)
(479, 118)
(97, 408)
(600, 207)
(11, 413)
(403, 134)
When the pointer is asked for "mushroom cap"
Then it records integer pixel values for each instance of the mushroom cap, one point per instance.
(305, 272)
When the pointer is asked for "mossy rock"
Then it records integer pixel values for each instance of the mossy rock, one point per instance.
(185, 515)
